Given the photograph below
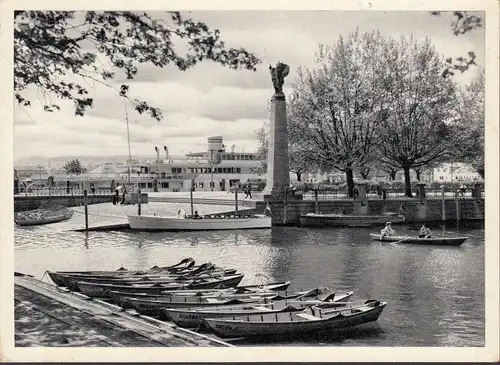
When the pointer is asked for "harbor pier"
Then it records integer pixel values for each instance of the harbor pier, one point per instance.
(73, 319)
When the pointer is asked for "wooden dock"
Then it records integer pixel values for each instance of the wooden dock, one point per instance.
(47, 315)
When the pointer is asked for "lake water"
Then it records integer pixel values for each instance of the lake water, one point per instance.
(435, 294)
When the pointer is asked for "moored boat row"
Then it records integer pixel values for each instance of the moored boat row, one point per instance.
(210, 297)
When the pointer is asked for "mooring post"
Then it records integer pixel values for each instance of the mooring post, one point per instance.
(316, 202)
(236, 200)
(457, 206)
(85, 203)
(443, 205)
(285, 203)
(139, 202)
(191, 196)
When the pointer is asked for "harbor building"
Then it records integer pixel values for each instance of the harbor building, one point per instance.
(215, 169)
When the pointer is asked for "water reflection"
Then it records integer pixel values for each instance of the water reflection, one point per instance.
(435, 295)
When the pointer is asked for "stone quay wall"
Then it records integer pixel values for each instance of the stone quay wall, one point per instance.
(415, 210)
(23, 203)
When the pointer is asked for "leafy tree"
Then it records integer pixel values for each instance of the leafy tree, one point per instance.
(337, 105)
(420, 119)
(74, 167)
(49, 45)
(298, 160)
(471, 150)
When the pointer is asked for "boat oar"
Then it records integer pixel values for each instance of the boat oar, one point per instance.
(395, 243)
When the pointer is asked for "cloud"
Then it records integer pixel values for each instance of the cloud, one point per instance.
(210, 99)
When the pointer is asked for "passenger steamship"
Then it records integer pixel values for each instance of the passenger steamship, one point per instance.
(215, 169)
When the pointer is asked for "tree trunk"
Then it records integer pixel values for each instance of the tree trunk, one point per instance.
(365, 174)
(299, 175)
(350, 182)
(418, 173)
(407, 182)
(392, 175)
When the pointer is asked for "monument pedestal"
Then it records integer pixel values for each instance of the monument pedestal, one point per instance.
(278, 172)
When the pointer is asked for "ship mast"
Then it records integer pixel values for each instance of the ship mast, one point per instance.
(128, 139)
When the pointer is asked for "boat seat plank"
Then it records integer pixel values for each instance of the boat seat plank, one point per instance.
(307, 316)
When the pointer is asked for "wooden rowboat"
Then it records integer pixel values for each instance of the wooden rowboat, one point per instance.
(39, 217)
(102, 290)
(152, 307)
(71, 280)
(294, 322)
(189, 265)
(447, 241)
(193, 317)
(118, 297)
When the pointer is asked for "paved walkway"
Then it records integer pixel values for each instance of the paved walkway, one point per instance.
(46, 315)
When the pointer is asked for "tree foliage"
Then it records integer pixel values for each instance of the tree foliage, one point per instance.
(74, 167)
(337, 105)
(472, 120)
(420, 107)
(50, 45)
(465, 22)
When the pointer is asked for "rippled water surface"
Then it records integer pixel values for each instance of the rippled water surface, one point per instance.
(435, 294)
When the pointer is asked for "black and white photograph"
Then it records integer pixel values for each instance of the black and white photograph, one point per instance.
(259, 176)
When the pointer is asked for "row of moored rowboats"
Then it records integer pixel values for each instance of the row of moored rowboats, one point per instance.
(210, 297)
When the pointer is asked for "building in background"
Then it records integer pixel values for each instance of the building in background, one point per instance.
(455, 171)
(215, 169)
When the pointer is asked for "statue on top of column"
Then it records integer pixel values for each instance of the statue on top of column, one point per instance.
(278, 75)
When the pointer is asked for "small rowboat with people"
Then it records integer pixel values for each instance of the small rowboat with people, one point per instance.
(290, 323)
(42, 216)
(446, 241)
(192, 317)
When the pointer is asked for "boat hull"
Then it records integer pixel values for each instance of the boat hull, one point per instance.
(260, 325)
(157, 223)
(341, 220)
(40, 218)
(192, 318)
(153, 307)
(438, 241)
(103, 290)
(119, 297)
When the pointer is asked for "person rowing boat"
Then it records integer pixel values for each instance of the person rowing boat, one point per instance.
(387, 231)
(425, 232)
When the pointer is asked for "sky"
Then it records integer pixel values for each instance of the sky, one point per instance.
(212, 100)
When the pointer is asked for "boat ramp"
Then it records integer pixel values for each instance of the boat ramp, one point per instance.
(73, 319)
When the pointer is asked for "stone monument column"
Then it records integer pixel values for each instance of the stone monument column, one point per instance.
(278, 172)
